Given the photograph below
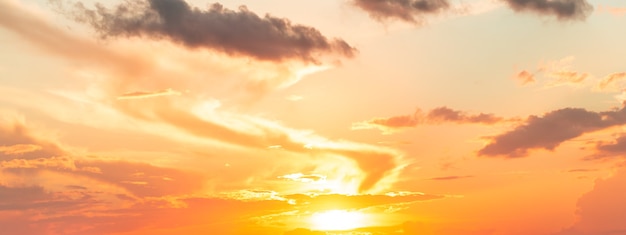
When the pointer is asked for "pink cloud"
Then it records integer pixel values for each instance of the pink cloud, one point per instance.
(602, 210)
(434, 116)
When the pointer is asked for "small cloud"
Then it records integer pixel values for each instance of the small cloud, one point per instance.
(581, 170)
(294, 98)
(525, 77)
(304, 178)
(411, 11)
(435, 116)
(453, 177)
(611, 81)
(561, 9)
(144, 95)
(616, 11)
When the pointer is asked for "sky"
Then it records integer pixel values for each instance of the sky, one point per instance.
(341, 117)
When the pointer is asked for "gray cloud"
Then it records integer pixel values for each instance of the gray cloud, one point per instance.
(562, 9)
(551, 130)
(406, 10)
(233, 32)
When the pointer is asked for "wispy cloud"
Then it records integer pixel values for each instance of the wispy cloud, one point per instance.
(453, 177)
(435, 116)
(144, 94)
(405, 10)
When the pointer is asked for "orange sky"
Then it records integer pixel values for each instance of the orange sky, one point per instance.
(312, 117)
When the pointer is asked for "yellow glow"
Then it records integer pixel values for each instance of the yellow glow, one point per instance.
(338, 220)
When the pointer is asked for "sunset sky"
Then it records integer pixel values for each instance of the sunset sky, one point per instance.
(345, 117)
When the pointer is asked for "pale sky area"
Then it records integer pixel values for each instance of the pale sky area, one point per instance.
(344, 117)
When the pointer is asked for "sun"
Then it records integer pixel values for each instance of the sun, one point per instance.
(334, 220)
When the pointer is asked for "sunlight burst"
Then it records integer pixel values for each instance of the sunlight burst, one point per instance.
(338, 220)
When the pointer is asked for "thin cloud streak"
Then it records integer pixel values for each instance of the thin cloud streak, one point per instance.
(435, 116)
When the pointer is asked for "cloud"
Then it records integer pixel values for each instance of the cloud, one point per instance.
(610, 149)
(434, 116)
(405, 10)
(609, 81)
(237, 33)
(601, 210)
(550, 130)
(304, 178)
(19, 149)
(525, 77)
(144, 94)
(454, 177)
(561, 9)
(616, 11)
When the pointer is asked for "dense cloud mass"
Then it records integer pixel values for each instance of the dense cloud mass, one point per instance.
(551, 130)
(240, 32)
(406, 10)
(562, 9)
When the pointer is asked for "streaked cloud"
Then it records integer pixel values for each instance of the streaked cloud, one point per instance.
(19, 149)
(435, 116)
(452, 177)
(147, 94)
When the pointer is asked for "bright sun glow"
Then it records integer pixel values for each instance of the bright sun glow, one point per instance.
(338, 220)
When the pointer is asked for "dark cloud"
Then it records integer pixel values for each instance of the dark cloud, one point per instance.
(234, 32)
(434, 116)
(562, 9)
(550, 131)
(406, 10)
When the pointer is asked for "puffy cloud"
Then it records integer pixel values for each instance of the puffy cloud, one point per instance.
(434, 116)
(601, 211)
(562, 9)
(406, 10)
(550, 130)
(239, 33)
